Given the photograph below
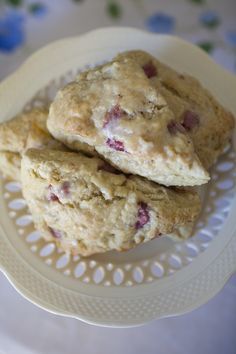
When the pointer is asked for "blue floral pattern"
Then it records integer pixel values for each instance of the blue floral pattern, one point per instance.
(230, 37)
(12, 23)
(12, 34)
(160, 23)
(210, 19)
(204, 22)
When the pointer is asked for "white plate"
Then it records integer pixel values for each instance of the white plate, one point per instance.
(158, 279)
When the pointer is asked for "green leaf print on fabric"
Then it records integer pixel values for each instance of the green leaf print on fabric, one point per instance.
(207, 46)
(114, 10)
(14, 2)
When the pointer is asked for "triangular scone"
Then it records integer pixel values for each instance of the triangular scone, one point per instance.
(26, 130)
(113, 110)
(206, 121)
(88, 207)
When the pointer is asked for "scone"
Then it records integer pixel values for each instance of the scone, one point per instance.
(88, 207)
(26, 130)
(206, 121)
(114, 111)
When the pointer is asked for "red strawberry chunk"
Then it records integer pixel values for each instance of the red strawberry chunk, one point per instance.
(175, 127)
(150, 69)
(191, 120)
(114, 114)
(65, 188)
(115, 144)
(51, 196)
(143, 216)
(55, 194)
(55, 233)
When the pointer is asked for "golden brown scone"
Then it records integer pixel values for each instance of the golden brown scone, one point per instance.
(115, 111)
(26, 130)
(88, 207)
(208, 123)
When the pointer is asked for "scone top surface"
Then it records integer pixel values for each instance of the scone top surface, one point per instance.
(207, 122)
(89, 208)
(114, 111)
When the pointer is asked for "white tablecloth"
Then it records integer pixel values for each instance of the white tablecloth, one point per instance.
(26, 329)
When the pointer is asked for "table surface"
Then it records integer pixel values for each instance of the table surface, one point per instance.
(26, 26)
